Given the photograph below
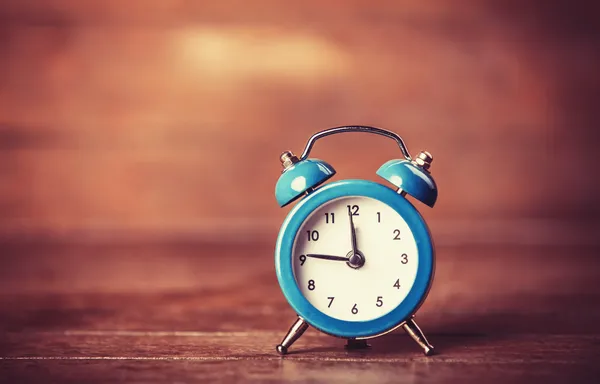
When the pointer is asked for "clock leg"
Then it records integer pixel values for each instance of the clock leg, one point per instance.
(417, 335)
(296, 330)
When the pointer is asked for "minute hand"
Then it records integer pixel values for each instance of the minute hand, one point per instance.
(352, 234)
(327, 257)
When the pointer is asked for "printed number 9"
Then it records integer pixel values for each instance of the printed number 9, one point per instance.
(302, 259)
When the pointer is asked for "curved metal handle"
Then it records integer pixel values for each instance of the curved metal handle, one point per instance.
(355, 128)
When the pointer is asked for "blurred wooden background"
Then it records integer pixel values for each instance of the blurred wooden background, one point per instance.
(167, 118)
(139, 145)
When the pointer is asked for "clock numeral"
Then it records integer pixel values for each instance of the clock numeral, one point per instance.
(352, 210)
(379, 301)
(312, 235)
(330, 301)
(404, 258)
(354, 310)
(379, 217)
(397, 284)
(396, 234)
(302, 259)
(330, 218)
(311, 285)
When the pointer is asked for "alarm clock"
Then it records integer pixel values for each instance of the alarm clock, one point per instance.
(354, 258)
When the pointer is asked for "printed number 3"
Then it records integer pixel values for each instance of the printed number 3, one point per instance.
(404, 258)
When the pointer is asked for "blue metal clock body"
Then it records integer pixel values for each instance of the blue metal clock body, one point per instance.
(302, 178)
(284, 268)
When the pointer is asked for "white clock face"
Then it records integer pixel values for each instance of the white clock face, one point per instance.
(383, 239)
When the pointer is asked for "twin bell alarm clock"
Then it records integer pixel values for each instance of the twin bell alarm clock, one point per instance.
(354, 258)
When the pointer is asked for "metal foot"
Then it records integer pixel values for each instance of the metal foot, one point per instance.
(417, 335)
(353, 344)
(296, 330)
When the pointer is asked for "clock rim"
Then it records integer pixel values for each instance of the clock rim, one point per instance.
(343, 328)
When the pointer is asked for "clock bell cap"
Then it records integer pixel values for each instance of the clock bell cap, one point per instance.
(300, 176)
(412, 178)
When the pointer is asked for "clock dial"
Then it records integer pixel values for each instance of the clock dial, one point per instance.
(355, 292)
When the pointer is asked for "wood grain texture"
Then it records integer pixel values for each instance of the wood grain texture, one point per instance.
(292, 370)
(213, 313)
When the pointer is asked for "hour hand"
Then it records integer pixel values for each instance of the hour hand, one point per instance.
(327, 257)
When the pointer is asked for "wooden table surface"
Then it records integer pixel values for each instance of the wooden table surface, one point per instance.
(83, 312)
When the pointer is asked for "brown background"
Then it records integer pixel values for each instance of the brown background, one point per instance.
(139, 145)
(168, 117)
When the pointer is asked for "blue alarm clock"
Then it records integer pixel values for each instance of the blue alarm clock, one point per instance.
(354, 258)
